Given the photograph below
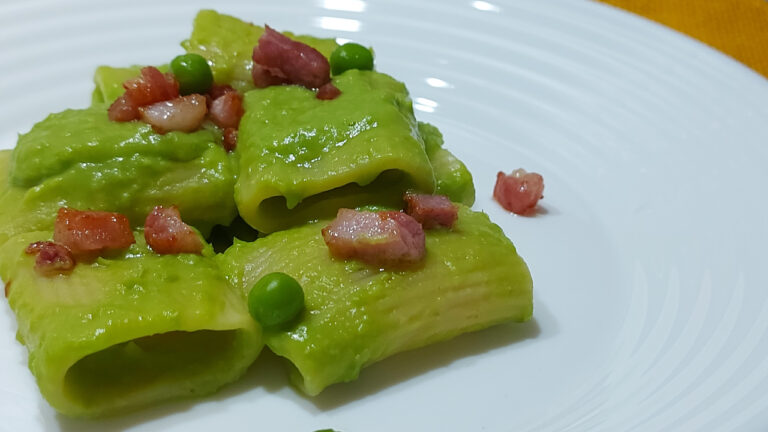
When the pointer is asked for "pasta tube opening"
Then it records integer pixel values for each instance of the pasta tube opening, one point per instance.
(274, 213)
(139, 365)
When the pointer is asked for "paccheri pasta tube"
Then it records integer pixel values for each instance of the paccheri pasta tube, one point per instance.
(127, 330)
(302, 158)
(81, 159)
(471, 278)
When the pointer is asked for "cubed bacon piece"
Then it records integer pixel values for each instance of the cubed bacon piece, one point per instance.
(328, 92)
(88, 233)
(35, 247)
(262, 78)
(229, 139)
(218, 90)
(184, 114)
(166, 233)
(431, 210)
(52, 259)
(153, 86)
(226, 110)
(385, 238)
(123, 110)
(284, 58)
(519, 191)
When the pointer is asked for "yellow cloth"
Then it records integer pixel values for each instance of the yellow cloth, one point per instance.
(738, 28)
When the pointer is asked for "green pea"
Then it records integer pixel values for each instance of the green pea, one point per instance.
(351, 56)
(275, 300)
(193, 73)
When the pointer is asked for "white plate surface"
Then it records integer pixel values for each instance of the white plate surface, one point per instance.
(648, 258)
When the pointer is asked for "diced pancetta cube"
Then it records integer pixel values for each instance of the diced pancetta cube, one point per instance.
(92, 232)
(385, 238)
(166, 233)
(52, 259)
(431, 210)
(518, 192)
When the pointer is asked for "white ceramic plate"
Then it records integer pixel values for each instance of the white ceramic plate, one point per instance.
(648, 258)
